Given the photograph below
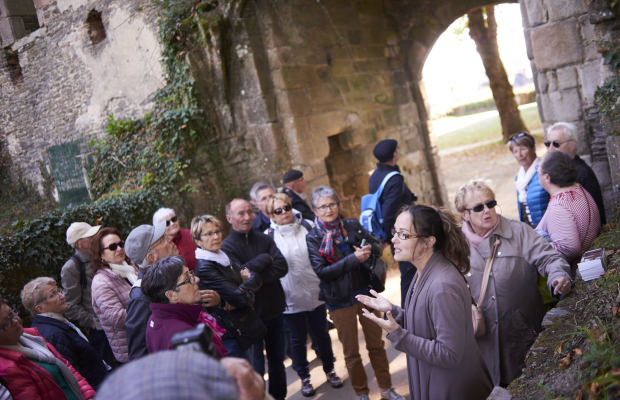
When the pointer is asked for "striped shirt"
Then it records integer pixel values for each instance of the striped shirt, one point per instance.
(572, 221)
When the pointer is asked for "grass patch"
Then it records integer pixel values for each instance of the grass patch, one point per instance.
(480, 127)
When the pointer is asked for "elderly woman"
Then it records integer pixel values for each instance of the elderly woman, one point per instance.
(235, 286)
(513, 308)
(339, 250)
(31, 368)
(181, 238)
(532, 199)
(301, 289)
(46, 302)
(434, 329)
(572, 219)
(113, 279)
(175, 304)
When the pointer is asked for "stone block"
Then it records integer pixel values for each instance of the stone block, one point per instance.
(589, 38)
(323, 94)
(341, 67)
(391, 116)
(567, 77)
(552, 80)
(562, 9)
(299, 101)
(298, 77)
(590, 76)
(370, 66)
(536, 12)
(565, 105)
(327, 123)
(354, 36)
(542, 82)
(556, 45)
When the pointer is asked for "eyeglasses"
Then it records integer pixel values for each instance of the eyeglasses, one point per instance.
(189, 279)
(55, 293)
(479, 207)
(555, 143)
(9, 319)
(172, 220)
(211, 233)
(325, 207)
(284, 209)
(115, 246)
(402, 235)
(518, 136)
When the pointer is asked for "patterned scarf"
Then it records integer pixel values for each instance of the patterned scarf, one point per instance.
(218, 332)
(331, 231)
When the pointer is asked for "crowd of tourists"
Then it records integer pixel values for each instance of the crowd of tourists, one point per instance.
(291, 267)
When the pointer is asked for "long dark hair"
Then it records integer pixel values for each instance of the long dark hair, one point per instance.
(442, 225)
(96, 249)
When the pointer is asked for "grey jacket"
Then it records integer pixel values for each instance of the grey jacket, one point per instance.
(436, 334)
(78, 297)
(513, 307)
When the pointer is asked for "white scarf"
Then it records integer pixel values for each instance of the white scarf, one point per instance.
(62, 318)
(219, 257)
(126, 271)
(524, 178)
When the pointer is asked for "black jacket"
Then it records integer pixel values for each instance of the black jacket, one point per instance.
(300, 204)
(260, 223)
(587, 179)
(73, 347)
(138, 314)
(260, 254)
(341, 279)
(395, 194)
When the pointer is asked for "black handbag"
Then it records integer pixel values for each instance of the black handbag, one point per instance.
(246, 326)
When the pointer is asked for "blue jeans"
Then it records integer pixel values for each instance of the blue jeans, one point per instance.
(317, 320)
(234, 349)
(273, 343)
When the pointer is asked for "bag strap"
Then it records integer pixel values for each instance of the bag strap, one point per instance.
(384, 182)
(82, 268)
(487, 271)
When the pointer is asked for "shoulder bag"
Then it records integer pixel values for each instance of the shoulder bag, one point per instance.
(477, 315)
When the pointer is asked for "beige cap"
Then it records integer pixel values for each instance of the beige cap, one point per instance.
(80, 230)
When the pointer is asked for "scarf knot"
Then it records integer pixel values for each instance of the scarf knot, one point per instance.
(332, 231)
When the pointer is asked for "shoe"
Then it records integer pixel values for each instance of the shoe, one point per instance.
(364, 397)
(306, 387)
(333, 379)
(390, 394)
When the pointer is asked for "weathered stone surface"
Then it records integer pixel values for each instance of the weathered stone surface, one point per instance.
(536, 12)
(591, 76)
(556, 45)
(562, 9)
(567, 77)
(564, 105)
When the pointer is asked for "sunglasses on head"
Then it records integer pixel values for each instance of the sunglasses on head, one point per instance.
(555, 143)
(518, 136)
(172, 220)
(115, 246)
(284, 209)
(479, 207)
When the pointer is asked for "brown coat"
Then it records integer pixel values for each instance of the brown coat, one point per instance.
(513, 308)
(436, 333)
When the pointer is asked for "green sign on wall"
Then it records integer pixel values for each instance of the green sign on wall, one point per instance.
(67, 161)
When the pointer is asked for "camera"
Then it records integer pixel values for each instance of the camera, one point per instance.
(199, 338)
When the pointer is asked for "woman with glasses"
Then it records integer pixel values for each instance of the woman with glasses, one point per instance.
(513, 308)
(112, 281)
(532, 199)
(434, 329)
(181, 238)
(572, 220)
(46, 303)
(235, 286)
(341, 253)
(301, 289)
(175, 304)
(31, 368)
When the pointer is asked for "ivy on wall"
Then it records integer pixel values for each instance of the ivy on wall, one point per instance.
(607, 95)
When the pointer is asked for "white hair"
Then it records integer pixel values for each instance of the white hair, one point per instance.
(569, 130)
(161, 214)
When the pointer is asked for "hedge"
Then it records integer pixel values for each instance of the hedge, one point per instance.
(39, 248)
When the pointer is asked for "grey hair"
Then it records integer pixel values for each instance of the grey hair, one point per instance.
(31, 293)
(569, 130)
(161, 214)
(322, 192)
(257, 187)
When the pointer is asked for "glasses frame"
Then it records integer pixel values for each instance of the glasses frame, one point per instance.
(480, 207)
(404, 235)
(212, 233)
(116, 245)
(51, 296)
(187, 280)
(172, 220)
(282, 210)
(326, 207)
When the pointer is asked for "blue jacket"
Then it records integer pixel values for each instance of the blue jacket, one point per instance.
(537, 200)
(80, 354)
(395, 194)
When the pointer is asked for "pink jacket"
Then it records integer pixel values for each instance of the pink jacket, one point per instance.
(110, 295)
(29, 381)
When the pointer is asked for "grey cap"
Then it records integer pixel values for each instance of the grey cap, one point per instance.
(140, 239)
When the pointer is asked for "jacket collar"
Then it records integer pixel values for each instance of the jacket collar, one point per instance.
(503, 228)
(389, 168)
(188, 312)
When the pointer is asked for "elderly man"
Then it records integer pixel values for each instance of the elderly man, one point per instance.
(395, 194)
(562, 136)
(181, 238)
(294, 187)
(259, 194)
(76, 277)
(259, 253)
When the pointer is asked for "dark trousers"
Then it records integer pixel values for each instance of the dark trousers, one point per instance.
(234, 349)
(297, 325)
(273, 343)
(99, 341)
(407, 271)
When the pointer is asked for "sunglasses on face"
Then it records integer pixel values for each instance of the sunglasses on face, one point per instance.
(555, 143)
(115, 246)
(480, 207)
(284, 209)
(172, 220)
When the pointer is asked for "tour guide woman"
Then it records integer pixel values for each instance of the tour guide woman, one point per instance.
(338, 258)
(435, 328)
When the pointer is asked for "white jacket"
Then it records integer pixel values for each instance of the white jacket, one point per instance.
(300, 284)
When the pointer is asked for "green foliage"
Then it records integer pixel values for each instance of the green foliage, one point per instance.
(607, 94)
(38, 247)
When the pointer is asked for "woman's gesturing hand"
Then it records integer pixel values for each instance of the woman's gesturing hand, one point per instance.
(377, 302)
(389, 325)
